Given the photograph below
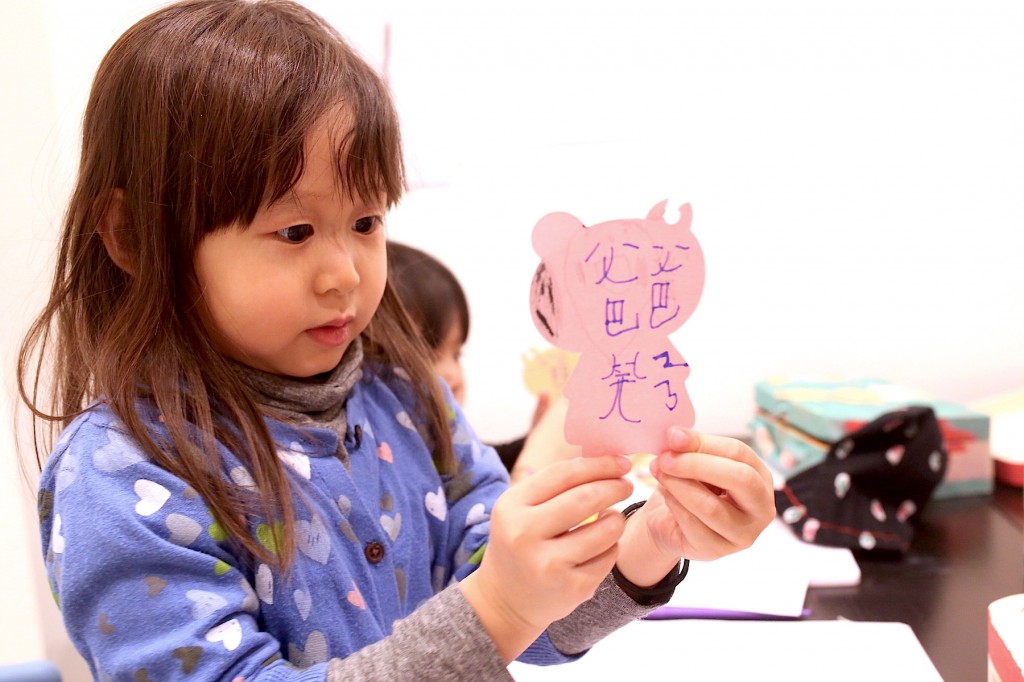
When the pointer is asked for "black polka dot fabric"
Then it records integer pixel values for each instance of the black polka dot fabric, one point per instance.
(872, 484)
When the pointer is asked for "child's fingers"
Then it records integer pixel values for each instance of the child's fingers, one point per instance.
(689, 441)
(744, 484)
(691, 501)
(601, 564)
(594, 539)
(565, 475)
(576, 505)
(724, 463)
(699, 540)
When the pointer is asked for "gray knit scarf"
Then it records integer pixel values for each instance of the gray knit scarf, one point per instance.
(318, 401)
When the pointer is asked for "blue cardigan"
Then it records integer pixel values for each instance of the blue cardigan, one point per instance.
(150, 586)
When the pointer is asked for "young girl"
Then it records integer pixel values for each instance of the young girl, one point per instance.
(437, 303)
(259, 476)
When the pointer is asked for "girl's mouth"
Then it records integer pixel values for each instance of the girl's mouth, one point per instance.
(331, 335)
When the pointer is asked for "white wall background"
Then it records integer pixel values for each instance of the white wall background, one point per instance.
(855, 170)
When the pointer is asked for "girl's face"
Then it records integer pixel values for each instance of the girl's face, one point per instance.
(447, 361)
(290, 292)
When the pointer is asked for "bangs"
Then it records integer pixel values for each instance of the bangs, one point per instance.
(238, 111)
(367, 147)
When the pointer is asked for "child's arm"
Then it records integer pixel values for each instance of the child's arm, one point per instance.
(714, 498)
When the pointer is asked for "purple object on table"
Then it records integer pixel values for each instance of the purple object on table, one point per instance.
(671, 612)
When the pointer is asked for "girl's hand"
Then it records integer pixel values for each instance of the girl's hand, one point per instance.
(542, 560)
(714, 497)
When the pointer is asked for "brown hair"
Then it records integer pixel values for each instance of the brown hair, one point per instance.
(430, 292)
(197, 116)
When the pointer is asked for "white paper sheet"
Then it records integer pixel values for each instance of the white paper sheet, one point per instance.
(768, 578)
(826, 566)
(766, 651)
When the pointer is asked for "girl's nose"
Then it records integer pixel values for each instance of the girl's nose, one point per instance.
(337, 272)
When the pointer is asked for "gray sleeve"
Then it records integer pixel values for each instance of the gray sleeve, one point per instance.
(442, 640)
(608, 610)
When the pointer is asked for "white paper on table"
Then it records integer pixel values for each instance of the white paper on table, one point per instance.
(766, 651)
(826, 566)
(770, 577)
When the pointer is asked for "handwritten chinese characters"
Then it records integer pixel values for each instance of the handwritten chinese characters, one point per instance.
(613, 292)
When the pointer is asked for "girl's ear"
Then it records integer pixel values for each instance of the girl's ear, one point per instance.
(111, 227)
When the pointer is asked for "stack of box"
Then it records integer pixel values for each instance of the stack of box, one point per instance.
(799, 419)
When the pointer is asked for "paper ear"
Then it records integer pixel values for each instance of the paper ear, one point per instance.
(685, 215)
(551, 237)
(552, 233)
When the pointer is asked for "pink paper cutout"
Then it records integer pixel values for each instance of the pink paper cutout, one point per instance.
(613, 292)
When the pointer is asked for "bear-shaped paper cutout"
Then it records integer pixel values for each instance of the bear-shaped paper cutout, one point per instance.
(613, 292)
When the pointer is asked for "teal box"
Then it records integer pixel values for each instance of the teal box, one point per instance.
(798, 420)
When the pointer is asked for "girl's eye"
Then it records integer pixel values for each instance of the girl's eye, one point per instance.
(296, 234)
(366, 225)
